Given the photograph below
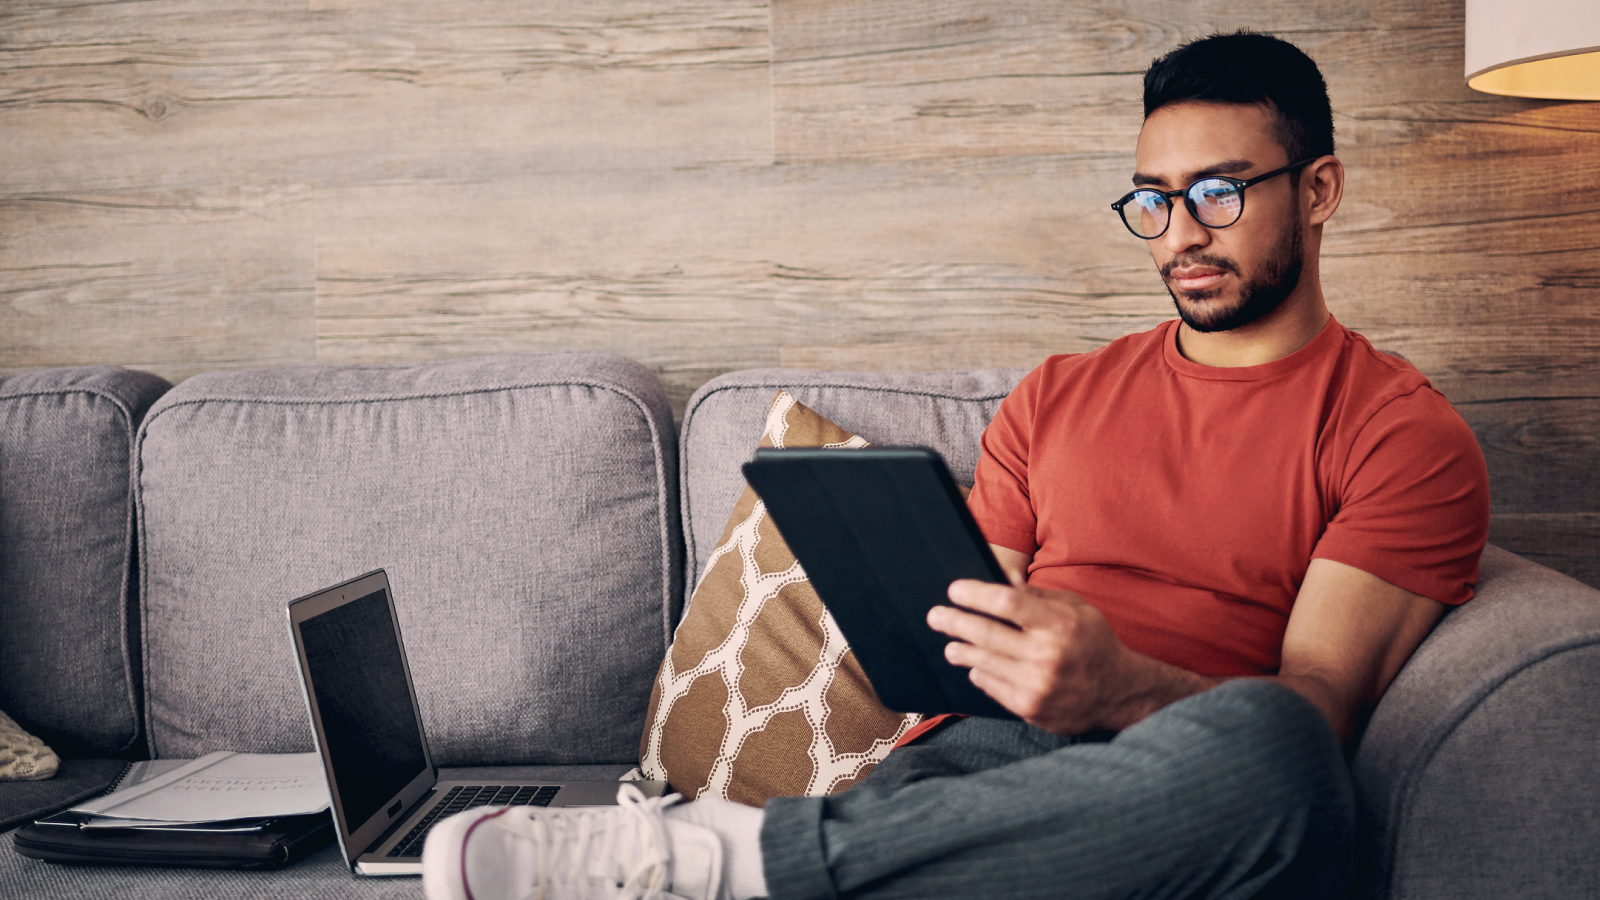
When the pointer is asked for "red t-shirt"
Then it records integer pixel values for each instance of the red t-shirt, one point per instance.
(1185, 501)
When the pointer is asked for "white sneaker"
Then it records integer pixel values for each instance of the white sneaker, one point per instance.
(621, 852)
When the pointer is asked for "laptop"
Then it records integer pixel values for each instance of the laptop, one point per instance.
(384, 789)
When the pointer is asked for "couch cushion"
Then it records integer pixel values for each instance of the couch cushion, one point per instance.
(320, 876)
(66, 530)
(943, 410)
(523, 507)
(75, 780)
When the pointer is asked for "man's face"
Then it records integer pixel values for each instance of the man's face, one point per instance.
(1223, 278)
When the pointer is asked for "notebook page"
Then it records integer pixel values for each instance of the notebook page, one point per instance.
(222, 786)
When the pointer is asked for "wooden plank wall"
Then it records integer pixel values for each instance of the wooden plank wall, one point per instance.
(708, 185)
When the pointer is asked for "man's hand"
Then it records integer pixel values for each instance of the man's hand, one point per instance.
(1052, 659)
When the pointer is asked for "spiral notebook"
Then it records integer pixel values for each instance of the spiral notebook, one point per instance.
(261, 843)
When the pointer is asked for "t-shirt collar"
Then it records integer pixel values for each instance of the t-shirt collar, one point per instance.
(1326, 340)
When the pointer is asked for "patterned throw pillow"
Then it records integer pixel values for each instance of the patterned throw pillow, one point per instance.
(23, 757)
(760, 695)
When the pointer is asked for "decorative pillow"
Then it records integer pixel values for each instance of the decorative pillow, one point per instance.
(23, 757)
(759, 695)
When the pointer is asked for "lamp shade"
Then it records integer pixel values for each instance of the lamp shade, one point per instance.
(1534, 48)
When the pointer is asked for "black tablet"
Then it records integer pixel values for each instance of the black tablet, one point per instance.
(882, 532)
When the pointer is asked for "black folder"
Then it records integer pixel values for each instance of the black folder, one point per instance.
(881, 532)
(270, 844)
(239, 844)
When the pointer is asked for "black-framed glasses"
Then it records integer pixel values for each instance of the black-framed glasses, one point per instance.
(1215, 201)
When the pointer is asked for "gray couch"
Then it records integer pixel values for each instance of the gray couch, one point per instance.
(542, 519)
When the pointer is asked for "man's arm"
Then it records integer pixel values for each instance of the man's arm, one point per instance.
(1059, 666)
(1349, 634)
(1013, 562)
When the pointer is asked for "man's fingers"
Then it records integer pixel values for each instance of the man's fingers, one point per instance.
(999, 667)
(1004, 692)
(998, 600)
(1012, 683)
(976, 629)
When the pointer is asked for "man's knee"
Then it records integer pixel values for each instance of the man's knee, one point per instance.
(1255, 732)
(1277, 769)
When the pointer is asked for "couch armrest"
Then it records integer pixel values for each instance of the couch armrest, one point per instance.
(1478, 774)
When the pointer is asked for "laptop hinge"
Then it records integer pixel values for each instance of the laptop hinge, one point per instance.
(401, 820)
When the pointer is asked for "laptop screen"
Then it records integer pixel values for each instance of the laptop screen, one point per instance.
(359, 679)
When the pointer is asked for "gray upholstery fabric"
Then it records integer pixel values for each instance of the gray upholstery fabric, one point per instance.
(722, 425)
(321, 876)
(77, 779)
(66, 528)
(1479, 774)
(522, 506)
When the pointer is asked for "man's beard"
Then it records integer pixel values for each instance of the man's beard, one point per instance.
(1257, 297)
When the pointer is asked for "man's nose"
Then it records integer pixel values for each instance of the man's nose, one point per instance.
(1183, 232)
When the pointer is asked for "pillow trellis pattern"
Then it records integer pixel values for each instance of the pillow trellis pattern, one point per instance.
(760, 695)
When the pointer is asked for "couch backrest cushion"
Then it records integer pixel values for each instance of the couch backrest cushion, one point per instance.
(523, 507)
(67, 651)
(943, 410)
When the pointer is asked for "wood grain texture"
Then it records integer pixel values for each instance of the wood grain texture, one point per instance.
(1540, 452)
(478, 89)
(1563, 541)
(707, 186)
(172, 282)
(170, 110)
(732, 264)
(907, 78)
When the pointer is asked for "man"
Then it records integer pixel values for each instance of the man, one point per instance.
(1225, 537)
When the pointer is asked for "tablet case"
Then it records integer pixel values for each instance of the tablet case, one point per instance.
(881, 532)
(278, 843)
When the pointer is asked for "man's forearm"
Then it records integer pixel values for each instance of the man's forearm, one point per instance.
(1152, 684)
(1149, 684)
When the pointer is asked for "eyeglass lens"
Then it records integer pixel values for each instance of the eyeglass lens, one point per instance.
(1217, 203)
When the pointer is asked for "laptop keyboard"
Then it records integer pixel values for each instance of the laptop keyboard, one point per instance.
(467, 797)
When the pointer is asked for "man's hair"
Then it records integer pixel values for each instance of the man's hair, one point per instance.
(1253, 68)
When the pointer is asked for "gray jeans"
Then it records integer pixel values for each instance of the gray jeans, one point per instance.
(1240, 791)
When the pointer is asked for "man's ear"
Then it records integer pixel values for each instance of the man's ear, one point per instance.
(1323, 184)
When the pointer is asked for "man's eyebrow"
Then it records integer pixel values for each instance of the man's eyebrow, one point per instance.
(1226, 167)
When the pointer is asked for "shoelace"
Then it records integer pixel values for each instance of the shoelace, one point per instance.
(570, 845)
(653, 870)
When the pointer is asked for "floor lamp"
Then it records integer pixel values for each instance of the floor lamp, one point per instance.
(1534, 48)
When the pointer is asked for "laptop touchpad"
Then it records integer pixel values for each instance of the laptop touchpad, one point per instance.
(599, 793)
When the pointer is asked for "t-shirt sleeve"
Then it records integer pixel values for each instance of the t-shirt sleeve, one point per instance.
(1000, 501)
(1414, 502)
